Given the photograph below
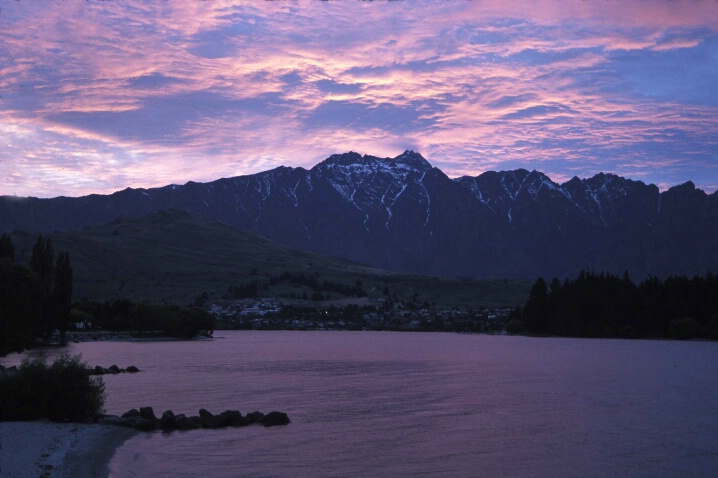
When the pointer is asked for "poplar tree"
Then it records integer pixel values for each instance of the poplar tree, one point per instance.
(62, 292)
(7, 248)
(20, 299)
(41, 262)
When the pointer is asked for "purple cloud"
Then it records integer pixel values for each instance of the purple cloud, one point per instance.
(96, 96)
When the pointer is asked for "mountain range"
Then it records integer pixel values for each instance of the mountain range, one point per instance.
(402, 214)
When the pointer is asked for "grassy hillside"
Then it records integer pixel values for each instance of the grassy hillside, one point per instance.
(173, 256)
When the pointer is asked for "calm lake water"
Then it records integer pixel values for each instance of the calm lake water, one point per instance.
(387, 404)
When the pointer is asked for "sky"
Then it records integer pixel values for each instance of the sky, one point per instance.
(97, 96)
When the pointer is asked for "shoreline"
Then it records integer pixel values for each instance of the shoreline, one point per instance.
(59, 450)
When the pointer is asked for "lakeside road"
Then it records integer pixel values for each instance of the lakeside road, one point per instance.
(58, 450)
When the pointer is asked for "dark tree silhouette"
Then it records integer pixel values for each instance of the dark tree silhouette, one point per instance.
(62, 292)
(7, 248)
(20, 299)
(536, 309)
(41, 262)
(603, 305)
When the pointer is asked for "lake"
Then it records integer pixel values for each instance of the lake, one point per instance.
(390, 404)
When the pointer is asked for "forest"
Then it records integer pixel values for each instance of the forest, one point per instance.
(604, 305)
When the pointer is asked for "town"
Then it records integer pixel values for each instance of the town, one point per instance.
(277, 314)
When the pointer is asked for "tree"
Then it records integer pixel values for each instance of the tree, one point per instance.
(536, 309)
(41, 263)
(20, 306)
(189, 322)
(7, 248)
(42, 258)
(201, 299)
(515, 324)
(604, 305)
(62, 292)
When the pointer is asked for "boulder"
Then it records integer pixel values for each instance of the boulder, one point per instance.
(274, 418)
(168, 421)
(212, 421)
(254, 417)
(233, 418)
(132, 369)
(185, 423)
(131, 413)
(147, 413)
(114, 369)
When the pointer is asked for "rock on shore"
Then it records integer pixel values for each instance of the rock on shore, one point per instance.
(144, 419)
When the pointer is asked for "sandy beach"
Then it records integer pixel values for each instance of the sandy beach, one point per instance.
(58, 450)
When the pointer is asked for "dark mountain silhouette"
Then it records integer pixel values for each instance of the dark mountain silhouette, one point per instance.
(403, 214)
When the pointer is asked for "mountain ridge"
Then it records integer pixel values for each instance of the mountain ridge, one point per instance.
(404, 214)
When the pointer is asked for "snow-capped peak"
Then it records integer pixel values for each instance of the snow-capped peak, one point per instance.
(408, 160)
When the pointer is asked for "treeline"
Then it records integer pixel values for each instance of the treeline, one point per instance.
(319, 288)
(146, 319)
(604, 305)
(35, 300)
(246, 290)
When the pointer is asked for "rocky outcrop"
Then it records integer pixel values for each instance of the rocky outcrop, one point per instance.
(144, 419)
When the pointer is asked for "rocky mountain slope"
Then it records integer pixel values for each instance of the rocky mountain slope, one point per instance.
(403, 214)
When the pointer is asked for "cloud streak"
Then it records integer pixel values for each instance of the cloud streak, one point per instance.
(97, 96)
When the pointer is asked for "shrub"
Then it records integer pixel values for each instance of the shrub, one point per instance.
(63, 391)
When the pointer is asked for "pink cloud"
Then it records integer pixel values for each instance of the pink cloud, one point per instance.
(239, 83)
